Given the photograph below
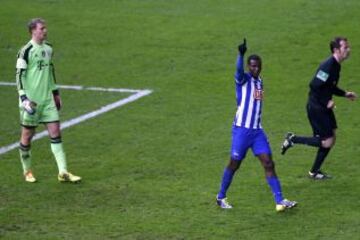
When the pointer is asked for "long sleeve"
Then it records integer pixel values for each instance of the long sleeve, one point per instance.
(21, 66)
(53, 85)
(338, 92)
(239, 74)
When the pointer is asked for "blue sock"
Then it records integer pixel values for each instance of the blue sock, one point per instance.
(225, 183)
(275, 186)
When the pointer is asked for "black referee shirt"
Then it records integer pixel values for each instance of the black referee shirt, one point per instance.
(324, 83)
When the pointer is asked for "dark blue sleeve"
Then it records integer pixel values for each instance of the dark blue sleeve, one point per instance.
(321, 76)
(239, 74)
(338, 91)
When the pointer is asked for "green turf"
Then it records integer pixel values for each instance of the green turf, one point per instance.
(151, 169)
(90, 101)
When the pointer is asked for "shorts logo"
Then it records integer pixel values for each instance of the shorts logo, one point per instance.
(323, 76)
(258, 94)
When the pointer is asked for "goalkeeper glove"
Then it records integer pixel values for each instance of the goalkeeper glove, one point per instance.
(29, 106)
(243, 48)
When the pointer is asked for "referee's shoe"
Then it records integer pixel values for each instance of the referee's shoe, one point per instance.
(288, 143)
(319, 175)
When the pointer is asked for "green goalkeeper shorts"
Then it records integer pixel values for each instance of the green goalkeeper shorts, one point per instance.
(44, 113)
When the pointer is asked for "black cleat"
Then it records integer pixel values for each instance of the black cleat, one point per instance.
(288, 143)
(319, 175)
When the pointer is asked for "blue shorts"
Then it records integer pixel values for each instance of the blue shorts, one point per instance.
(244, 138)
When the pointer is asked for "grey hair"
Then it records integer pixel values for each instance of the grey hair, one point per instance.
(33, 22)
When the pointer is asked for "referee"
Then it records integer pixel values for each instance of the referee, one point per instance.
(320, 106)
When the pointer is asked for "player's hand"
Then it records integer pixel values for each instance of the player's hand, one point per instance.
(243, 48)
(58, 102)
(330, 104)
(351, 95)
(29, 106)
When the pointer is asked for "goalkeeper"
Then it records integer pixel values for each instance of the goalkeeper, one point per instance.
(39, 99)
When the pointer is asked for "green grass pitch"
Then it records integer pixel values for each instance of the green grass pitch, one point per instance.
(151, 169)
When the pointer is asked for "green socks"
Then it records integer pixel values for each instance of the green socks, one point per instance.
(25, 157)
(58, 151)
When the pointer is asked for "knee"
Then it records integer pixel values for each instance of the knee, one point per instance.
(269, 165)
(54, 134)
(328, 143)
(26, 136)
(54, 129)
(234, 165)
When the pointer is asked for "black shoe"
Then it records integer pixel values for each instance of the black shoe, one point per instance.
(319, 175)
(288, 143)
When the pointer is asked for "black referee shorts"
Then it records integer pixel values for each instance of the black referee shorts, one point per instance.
(322, 121)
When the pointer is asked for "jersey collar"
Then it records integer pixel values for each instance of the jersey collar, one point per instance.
(36, 44)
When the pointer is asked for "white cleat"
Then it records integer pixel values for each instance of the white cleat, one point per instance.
(29, 177)
(288, 143)
(319, 175)
(69, 177)
(285, 204)
(223, 203)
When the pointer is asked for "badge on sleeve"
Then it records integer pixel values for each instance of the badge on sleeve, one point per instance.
(21, 63)
(323, 76)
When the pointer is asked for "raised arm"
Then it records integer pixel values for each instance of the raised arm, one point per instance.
(239, 74)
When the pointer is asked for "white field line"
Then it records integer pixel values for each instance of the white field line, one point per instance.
(79, 88)
(137, 94)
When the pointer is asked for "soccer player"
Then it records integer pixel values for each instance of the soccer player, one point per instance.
(320, 107)
(247, 131)
(39, 99)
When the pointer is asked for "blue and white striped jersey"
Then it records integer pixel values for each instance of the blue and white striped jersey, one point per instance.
(249, 95)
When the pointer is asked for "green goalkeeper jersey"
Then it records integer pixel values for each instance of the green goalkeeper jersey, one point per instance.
(35, 74)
